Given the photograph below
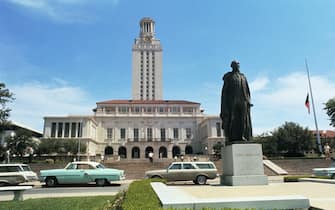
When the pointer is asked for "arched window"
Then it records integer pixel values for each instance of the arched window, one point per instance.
(162, 152)
(188, 149)
(123, 152)
(135, 152)
(148, 150)
(175, 151)
(109, 150)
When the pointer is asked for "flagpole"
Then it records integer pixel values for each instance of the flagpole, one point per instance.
(316, 123)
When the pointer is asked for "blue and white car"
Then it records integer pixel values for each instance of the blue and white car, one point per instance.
(330, 171)
(82, 173)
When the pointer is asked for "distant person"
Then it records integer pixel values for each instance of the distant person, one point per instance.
(326, 149)
(151, 156)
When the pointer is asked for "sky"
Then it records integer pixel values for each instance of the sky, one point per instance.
(60, 57)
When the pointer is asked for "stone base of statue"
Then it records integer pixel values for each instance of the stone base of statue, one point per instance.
(243, 165)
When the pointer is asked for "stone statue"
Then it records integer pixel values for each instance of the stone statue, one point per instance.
(235, 106)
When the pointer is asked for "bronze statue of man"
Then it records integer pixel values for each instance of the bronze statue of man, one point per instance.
(235, 106)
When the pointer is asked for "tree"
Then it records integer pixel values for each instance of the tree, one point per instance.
(5, 97)
(19, 143)
(293, 139)
(330, 107)
(269, 144)
(61, 146)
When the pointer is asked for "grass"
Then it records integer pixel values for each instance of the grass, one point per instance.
(140, 195)
(73, 203)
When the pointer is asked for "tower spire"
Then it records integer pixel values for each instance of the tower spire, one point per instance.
(147, 63)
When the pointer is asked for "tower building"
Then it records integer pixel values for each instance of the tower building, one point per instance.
(147, 64)
(131, 129)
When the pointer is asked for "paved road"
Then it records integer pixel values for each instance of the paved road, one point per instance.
(67, 191)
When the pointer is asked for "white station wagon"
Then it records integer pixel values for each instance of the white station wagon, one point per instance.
(198, 172)
(13, 174)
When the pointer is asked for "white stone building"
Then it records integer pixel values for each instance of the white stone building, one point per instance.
(131, 129)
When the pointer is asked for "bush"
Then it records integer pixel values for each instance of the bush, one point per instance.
(49, 161)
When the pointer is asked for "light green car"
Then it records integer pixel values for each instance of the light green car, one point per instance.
(81, 173)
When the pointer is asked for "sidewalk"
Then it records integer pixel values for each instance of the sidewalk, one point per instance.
(320, 194)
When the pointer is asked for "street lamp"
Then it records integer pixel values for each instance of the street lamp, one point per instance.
(80, 127)
(12, 134)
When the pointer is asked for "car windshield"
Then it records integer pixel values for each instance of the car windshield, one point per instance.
(71, 166)
(100, 166)
(26, 168)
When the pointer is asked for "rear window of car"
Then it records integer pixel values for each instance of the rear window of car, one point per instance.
(5, 169)
(205, 165)
(188, 166)
(26, 168)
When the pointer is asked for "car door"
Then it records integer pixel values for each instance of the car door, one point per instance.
(188, 172)
(73, 174)
(173, 172)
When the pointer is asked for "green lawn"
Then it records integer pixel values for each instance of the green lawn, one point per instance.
(73, 203)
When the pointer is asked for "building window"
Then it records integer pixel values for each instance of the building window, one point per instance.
(73, 129)
(109, 133)
(123, 133)
(148, 109)
(149, 134)
(136, 134)
(80, 129)
(188, 109)
(163, 136)
(67, 130)
(60, 130)
(53, 129)
(175, 109)
(218, 129)
(110, 109)
(175, 133)
(188, 133)
(123, 109)
(163, 109)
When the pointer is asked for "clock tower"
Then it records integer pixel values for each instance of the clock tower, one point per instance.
(147, 64)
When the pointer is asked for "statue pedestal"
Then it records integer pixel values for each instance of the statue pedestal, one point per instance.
(243, 165)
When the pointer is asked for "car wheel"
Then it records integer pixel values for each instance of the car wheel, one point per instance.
(155, 177)
(100, 182)
(51, 181)
(201, 179)
(333, 176)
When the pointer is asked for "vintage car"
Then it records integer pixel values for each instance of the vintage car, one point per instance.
(81, 173)
(14, 174)
(330, 171)
(198, 172)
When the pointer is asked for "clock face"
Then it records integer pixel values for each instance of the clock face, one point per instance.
(147, 39)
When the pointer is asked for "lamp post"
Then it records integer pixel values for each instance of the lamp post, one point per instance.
(80, 127)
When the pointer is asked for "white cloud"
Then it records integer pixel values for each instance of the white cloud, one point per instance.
(66, 11)
(277, 100)
(259, 84)
(284, 101)
(36, 100)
